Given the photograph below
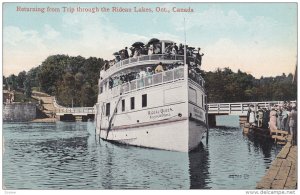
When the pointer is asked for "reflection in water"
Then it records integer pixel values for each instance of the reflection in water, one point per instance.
(198, 163)
(70, 156)
(263, 145)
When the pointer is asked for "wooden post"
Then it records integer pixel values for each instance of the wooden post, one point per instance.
(206, 117)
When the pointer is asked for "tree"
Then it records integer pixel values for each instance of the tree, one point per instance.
(52, 71)
(32, 74)
(20, 79)
(4, 83)
(86, 95)
(27, 86)
(12, 82)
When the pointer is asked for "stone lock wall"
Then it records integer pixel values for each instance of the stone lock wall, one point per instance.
(19, 112)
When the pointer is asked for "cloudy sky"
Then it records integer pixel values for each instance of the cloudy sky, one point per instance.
(258, 38)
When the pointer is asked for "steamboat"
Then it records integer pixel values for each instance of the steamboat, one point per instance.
(154, 98)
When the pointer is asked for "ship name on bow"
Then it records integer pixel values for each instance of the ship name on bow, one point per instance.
(160, 113)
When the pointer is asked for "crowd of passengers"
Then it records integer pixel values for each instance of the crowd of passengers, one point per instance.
(140, 49)
(141, 73)
(194, 59)
(277, 117)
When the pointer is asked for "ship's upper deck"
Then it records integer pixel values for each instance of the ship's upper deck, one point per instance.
(155, 52)
(152, 65)
(144, 60)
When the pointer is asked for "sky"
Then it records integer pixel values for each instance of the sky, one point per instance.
(257, 38)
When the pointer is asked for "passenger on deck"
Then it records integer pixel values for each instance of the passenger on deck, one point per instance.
(142, 73)
(199, 56)
(150, 50)
(170, 66)
(174, 52)
(175, 47)
(122, 54)
(157, 49)
(132, 50)
(181, 49)
(144, 50)
(118, 58)
(126, 53)
(168, 49)
(136, 53)
(149, 71)
(159, 68)
(116, 81)
(188, 51)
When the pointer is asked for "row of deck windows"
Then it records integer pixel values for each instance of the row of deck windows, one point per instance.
(132, 104)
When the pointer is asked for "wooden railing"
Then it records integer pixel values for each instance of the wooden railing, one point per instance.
(239, 107)
(74, 110)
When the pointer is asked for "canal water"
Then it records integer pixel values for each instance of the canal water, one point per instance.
(69, 156)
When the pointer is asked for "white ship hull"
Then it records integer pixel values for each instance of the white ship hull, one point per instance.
(176, 135)
(173, 119)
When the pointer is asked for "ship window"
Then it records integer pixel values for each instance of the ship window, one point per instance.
(123, 105)
(107, 109)
(132, 103)
(144, 100)
(101, 90)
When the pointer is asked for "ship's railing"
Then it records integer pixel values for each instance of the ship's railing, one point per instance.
(196, 77)
(148, 81)
(154, 57)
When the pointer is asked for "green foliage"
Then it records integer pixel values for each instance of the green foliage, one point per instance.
(51, 72)
(5, 87)
(21, 79)
(20, 97)
(12, 82)
(33, 75)
(73, 80)
(227, 86)
(27, 86)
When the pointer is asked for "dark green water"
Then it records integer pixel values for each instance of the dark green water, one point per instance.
(66, 156)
